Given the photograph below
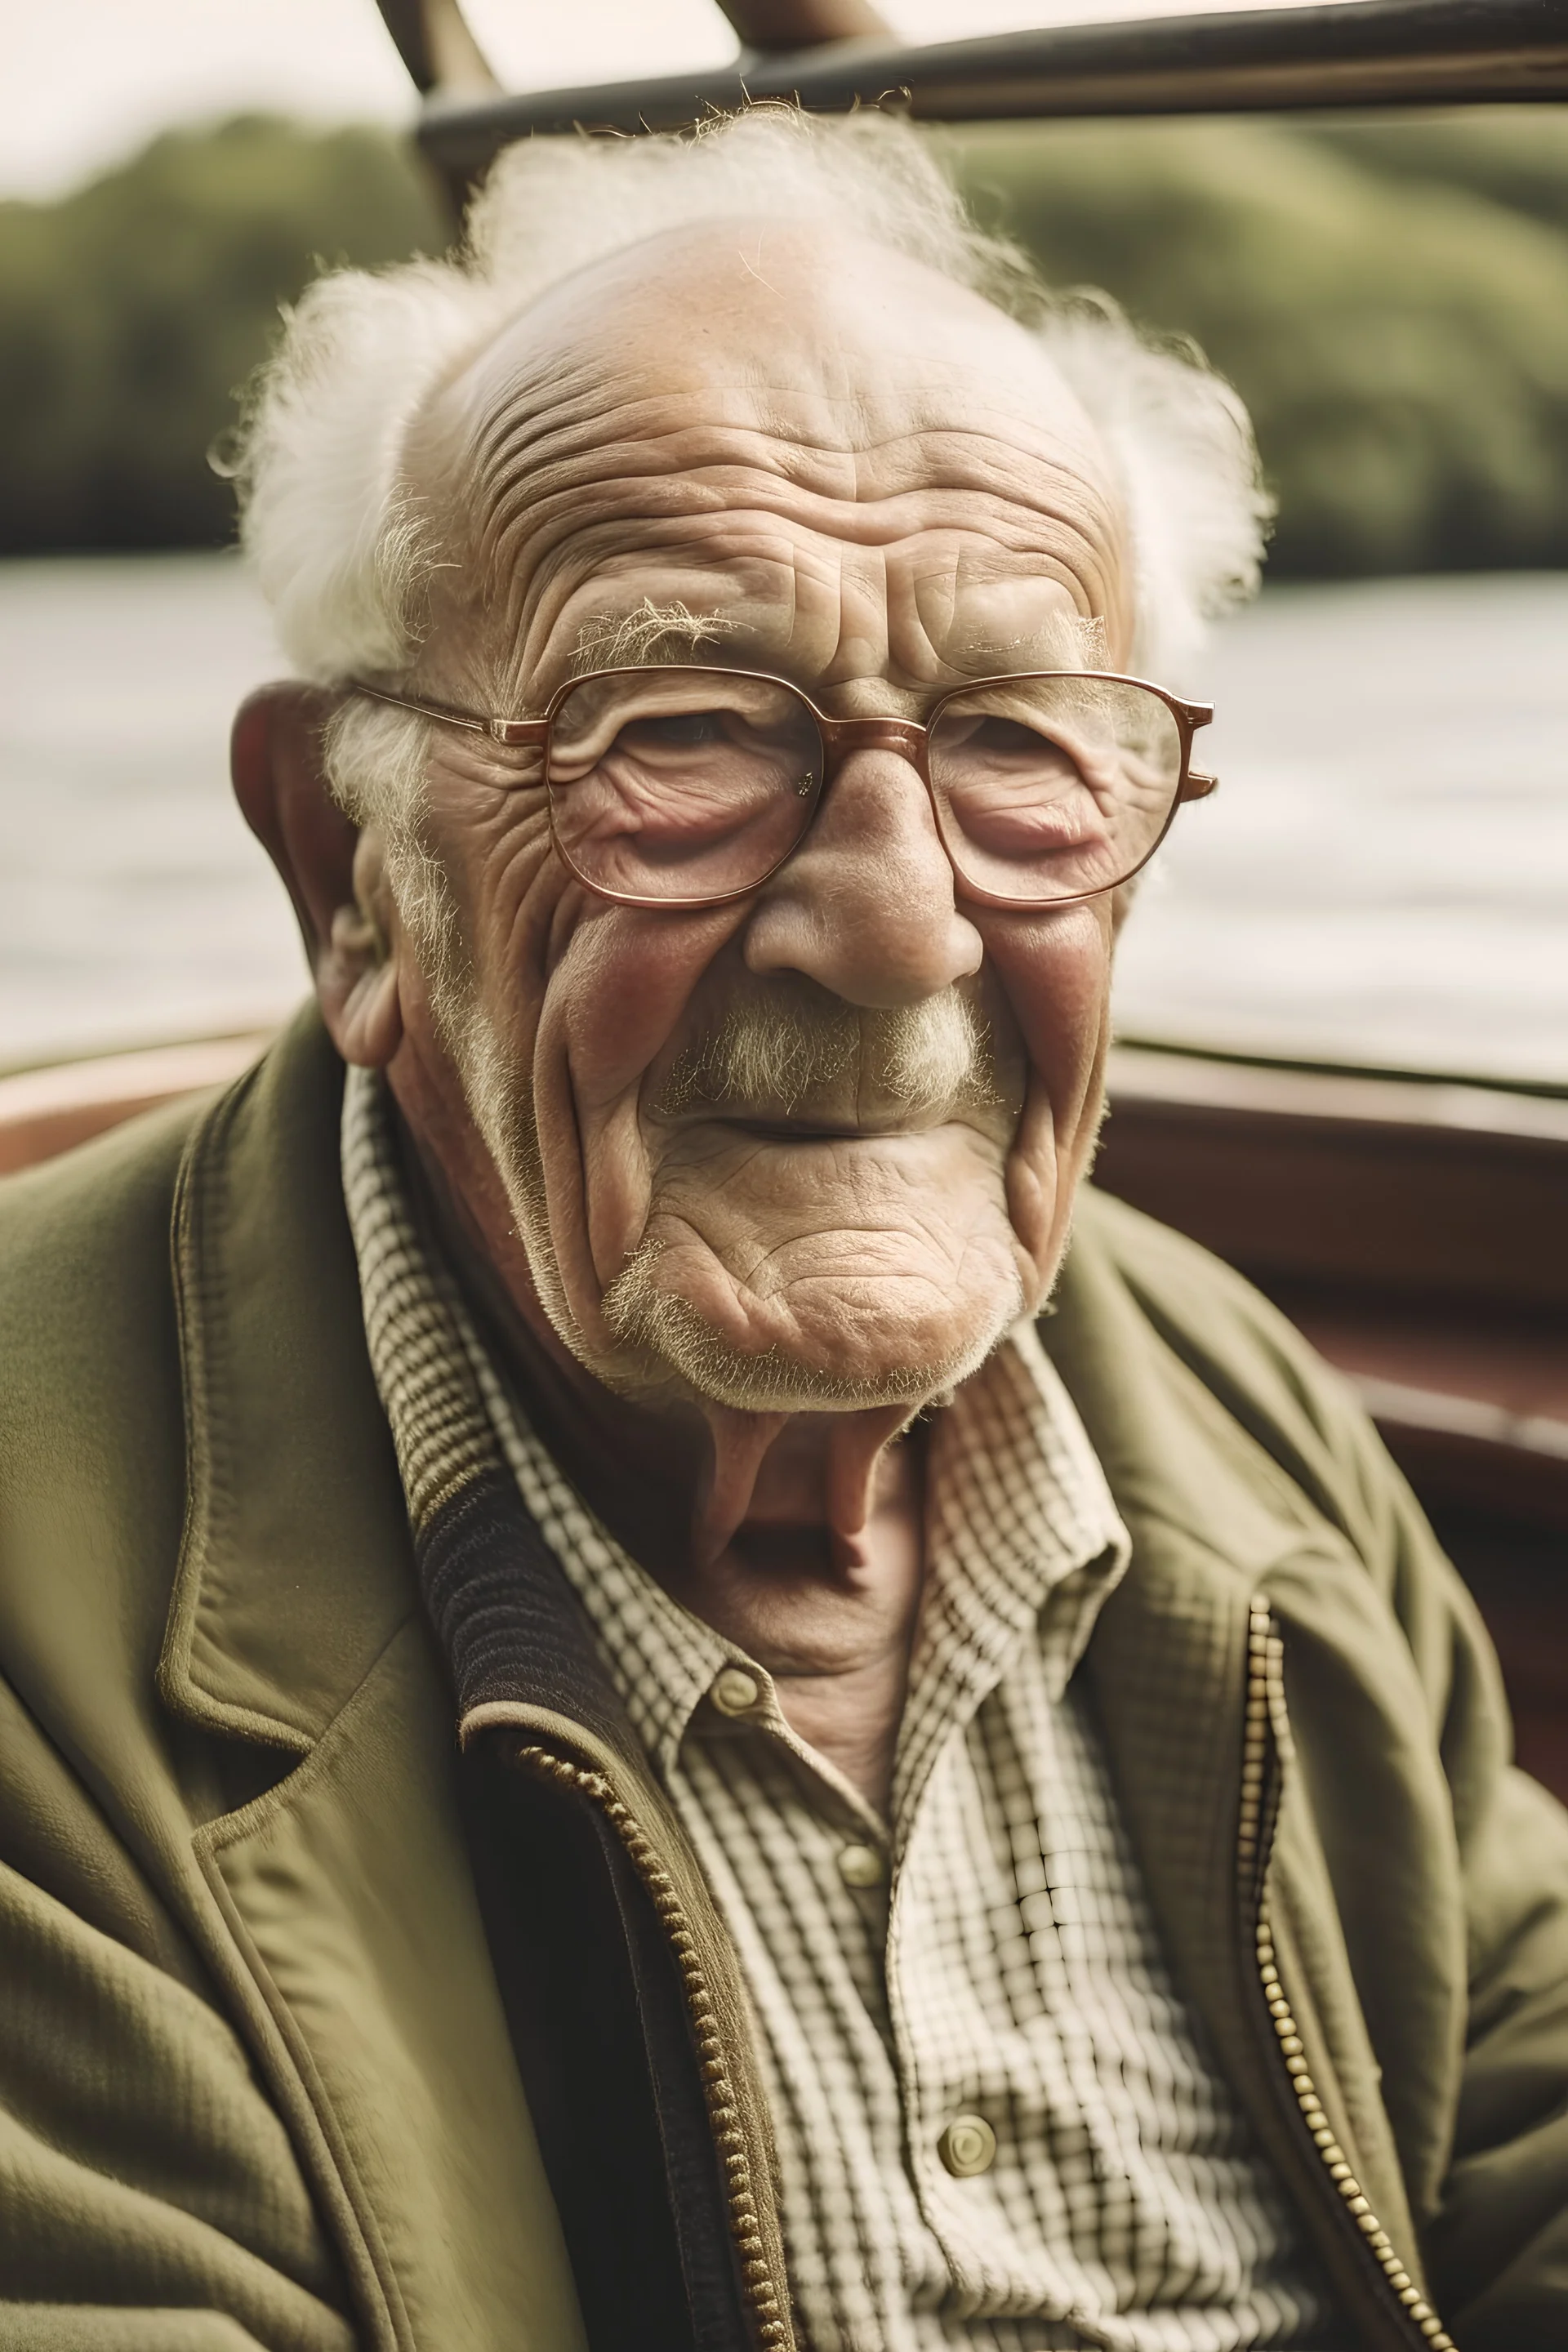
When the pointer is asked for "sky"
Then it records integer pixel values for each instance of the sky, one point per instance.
(88, 81)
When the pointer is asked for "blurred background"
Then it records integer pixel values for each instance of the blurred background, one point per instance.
(1383, 881)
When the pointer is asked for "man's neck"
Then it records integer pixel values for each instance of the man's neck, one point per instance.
(798, 1537)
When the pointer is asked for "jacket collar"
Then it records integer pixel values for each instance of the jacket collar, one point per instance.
(295, 1569)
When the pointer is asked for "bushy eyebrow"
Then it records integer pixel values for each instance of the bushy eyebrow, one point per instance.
(651, 633)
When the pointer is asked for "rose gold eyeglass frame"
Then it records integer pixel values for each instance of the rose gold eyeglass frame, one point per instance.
(909, 738)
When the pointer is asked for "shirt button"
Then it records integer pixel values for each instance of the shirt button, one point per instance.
(860, 1865)
(734, 1691)
(968, 2146)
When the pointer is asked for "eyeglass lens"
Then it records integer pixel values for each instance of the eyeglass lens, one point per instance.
(1054, 787)
(694, 784)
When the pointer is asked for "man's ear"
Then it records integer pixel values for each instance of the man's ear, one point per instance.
(332, 871)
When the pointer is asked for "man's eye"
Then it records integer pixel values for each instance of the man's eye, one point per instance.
(1011, 739)
(1007, 735)
(678, 730)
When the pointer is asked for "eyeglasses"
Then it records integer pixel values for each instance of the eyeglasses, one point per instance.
(678, 786)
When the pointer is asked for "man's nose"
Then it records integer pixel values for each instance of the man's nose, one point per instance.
(867, 906)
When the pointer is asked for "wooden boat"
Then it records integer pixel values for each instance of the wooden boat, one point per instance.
(1416, 1228)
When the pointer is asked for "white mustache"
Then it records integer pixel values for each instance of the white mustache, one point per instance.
(785, 1049)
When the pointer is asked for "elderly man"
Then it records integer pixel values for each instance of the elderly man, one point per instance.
(607, 1742)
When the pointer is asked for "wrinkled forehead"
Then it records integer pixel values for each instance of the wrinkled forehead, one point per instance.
(806, 379)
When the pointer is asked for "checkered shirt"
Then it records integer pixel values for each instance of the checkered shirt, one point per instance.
(987, 1951)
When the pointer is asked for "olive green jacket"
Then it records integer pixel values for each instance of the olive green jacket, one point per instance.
(260, 2081)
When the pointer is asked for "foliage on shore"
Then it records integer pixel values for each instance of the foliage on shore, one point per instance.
(1390, 297)
(132, 310)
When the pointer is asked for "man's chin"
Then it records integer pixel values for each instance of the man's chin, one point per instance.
(668, 1344)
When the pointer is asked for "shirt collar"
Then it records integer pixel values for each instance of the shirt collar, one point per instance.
(1023, 1543)
(1020, 1525)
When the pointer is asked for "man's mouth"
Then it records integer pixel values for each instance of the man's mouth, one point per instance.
(806, 1129)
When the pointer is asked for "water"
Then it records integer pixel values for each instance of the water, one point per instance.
(1382, 877)
(1381, 880)
(134, 905)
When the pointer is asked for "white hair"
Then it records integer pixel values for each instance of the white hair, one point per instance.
(329, 519)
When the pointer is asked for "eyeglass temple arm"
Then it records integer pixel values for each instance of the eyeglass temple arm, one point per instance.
(513, 731)
(1196, 784)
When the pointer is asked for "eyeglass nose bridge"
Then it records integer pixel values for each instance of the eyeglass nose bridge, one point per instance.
(906, 737)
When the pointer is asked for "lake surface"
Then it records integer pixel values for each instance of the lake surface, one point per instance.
(1381, 880)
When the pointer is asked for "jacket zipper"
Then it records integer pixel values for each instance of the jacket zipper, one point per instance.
(1266, 1743)
(763, 2292)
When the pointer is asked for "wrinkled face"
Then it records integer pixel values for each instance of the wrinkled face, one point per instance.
(817, 1146)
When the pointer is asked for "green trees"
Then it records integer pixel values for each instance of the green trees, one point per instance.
(129, 311)
(1390, 297)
